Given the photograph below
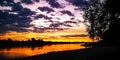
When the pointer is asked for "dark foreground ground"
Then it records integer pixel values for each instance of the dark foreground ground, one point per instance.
(96, 53)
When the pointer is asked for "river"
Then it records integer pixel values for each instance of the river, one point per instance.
(20, 52)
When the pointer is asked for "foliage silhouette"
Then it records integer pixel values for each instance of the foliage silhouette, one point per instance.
(104, 19)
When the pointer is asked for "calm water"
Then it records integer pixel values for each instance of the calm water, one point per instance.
(19, 52)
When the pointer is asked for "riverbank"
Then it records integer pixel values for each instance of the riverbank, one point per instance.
(96, 53)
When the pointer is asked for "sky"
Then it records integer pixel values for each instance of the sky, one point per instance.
(51, 20)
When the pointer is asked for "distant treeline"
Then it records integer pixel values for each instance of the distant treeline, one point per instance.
(28, 43)
(9, 43)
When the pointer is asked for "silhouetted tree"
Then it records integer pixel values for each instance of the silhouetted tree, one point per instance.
(33, 39)
(103, 16)
(9, 40)
(41, 40)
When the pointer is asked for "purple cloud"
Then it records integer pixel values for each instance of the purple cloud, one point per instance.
(57, 24)
(67, 12)
(42, 30)
(45, 8)
(80, 3)
(54, 3)
(42, 16)
(76, 35)
(26, 12)
(29, 1)
(17, 19)
(70, 22)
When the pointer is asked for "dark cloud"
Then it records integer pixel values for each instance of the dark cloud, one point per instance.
(72, 18)
(58, 24)
(79, 9)
(55, 24)
(67, 12)
(46, 29)
(80, 3)
(54, 3)
(68, 25)
(26, 12)
(46, 9)
(39, 30)
(17, 19)
(37, 0)
(6, 2)
(12, 22)
(8, 28)
(70, 22)
(6, 18)
(52, 15)
(29, 1)
(42, 16)
(16, 7)
(80, 35)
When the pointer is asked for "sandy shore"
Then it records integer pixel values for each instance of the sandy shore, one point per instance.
(101, 53)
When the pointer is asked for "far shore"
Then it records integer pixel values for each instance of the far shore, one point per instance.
(94, 53)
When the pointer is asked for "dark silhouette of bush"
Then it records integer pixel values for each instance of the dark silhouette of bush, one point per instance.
(104, 19)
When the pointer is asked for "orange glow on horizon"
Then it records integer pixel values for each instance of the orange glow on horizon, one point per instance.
(49, 36)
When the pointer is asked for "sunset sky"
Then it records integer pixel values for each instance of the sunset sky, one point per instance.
(51, 20)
